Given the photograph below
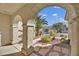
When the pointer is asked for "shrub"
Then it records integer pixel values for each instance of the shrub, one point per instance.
(63, 38)
(52, 35)
(61, 35)
(45, 39)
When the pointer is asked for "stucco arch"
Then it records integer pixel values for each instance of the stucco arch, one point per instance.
(29, 11)
(17, 29)
(16, 19)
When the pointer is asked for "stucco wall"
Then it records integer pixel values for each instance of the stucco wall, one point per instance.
(5, 29)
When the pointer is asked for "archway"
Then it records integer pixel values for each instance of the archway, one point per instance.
(67, 18)
(52, 15)
(52, 19)
(17, 30)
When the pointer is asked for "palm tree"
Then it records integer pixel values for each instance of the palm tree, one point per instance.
(39, 23)
(58, 26)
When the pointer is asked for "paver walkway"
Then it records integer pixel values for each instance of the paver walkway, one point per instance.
(54, 50)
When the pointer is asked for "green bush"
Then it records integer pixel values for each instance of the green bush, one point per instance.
(52, 34)
(63, 38)
(61, 35)
(45, 39)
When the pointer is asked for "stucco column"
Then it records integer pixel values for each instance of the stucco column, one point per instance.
(28, 36)
(74, 37)
(15, 31)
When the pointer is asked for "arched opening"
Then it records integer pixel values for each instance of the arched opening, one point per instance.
(52, 30)
(53, 15)
(17, 30)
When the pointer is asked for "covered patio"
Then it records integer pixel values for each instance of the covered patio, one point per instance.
(22, 13)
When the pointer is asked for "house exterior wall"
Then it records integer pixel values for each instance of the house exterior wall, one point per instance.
(5, 29)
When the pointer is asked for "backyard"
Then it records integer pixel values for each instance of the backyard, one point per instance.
(51, 46)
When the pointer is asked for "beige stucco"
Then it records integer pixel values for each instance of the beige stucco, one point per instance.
(5, 27)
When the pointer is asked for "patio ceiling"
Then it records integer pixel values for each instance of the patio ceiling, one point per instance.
(9, 8)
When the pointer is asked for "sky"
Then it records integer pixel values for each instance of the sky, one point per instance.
(53, 14)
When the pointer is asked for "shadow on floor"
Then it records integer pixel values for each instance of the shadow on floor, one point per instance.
(15, 54)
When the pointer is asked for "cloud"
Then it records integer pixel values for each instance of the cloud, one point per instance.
(61, 18)
(56, 7)
(55, 14)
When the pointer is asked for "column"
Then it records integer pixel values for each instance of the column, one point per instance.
(15, 31)
(28, 36)
(74, 37)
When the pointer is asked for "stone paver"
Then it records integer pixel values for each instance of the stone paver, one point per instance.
(33, 54)
(65, 51)
(43, 51)
(57, 48)
(53, 54)
(37, 49)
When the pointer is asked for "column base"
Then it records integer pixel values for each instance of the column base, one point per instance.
(26, 52)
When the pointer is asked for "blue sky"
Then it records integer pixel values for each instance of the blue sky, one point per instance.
(53, 14)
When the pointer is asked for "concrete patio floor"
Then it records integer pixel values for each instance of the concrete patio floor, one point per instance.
(6, 50)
